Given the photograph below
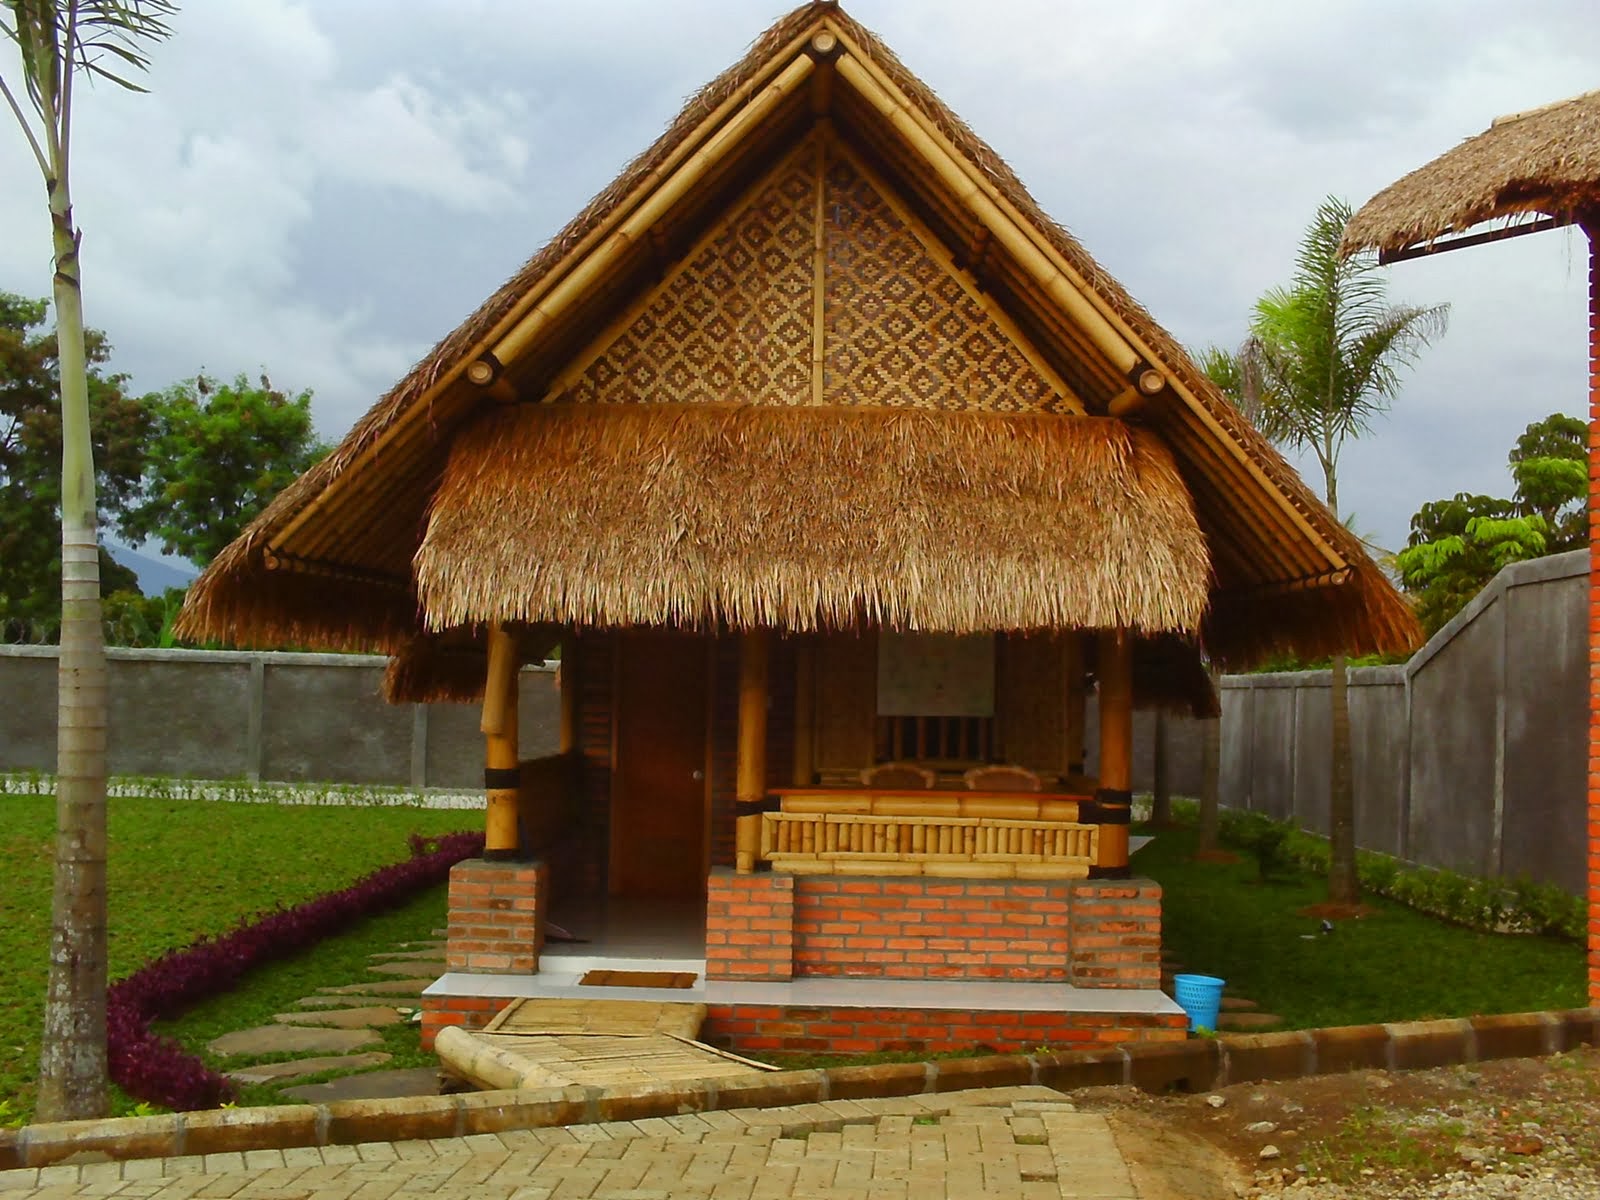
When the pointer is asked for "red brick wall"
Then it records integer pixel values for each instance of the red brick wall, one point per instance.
(756, 1028)
(496, 925)
(749, 925)
(1116, 933)
(929, 928)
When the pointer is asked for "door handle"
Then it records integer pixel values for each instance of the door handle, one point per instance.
(698, 776)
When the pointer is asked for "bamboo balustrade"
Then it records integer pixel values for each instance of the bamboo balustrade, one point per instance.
(970, 835)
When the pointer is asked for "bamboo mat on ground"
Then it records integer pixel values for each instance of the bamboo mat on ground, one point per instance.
(606, 1043)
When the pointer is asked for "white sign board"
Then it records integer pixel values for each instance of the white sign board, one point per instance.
(935, 675)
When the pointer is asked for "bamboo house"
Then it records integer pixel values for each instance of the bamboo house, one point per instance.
(842, 479)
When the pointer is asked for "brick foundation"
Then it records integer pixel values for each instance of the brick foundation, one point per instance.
(932, 1030)
(467, 1012)
(1116, 933)
(750, 926)
(1090, 933)
(838, 1030)
(496, 922)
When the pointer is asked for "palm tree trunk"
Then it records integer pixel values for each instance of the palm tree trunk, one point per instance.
(1343, 885)
(72, 1063)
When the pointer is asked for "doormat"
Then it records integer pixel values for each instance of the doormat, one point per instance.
(640, 979)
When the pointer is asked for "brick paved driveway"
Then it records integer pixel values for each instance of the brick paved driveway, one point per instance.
(1017, 1143)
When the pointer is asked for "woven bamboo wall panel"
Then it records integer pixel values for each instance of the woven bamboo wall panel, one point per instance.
(900, 330)
(734, 326)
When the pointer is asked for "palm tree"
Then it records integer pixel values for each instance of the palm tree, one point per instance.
(58, 40)
(1325, 357)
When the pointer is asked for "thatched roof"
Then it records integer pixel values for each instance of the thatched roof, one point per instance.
(1543, 161)
(330, 561)
(806, 518)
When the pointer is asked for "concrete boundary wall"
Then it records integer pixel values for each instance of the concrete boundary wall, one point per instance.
(263, 716)
(1470, 756)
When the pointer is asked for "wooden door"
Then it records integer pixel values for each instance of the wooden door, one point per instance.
(659, 792)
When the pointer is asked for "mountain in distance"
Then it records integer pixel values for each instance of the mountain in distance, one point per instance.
(156, 575)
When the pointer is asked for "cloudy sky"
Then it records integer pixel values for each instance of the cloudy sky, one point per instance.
(325, 189)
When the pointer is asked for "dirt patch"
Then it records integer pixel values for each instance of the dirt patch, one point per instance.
(1517, 1127)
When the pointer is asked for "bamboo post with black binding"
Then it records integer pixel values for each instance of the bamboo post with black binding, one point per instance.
(1113, 799)
(751, 787)
(501, 775)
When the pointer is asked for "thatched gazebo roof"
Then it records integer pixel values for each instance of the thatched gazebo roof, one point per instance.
(1544, 161)
(898, 264)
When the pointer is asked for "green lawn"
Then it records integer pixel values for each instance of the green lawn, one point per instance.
(1395, 965)
(180, 869)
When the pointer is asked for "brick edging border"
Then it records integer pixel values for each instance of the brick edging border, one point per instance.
(1196, 1065)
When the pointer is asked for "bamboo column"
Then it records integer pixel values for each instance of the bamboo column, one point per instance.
(501, 776)
(1075, 702)
(1114, 797)
(751, 790)
(805, 711)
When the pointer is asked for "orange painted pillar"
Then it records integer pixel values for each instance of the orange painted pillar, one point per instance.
(1591, 226)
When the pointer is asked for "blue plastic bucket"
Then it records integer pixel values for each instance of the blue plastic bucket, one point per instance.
(1200, 996)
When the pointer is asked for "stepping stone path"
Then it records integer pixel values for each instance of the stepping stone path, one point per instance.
(344, 1018)
(295, 1068)
(341, 1019)
(1237, 1015)
(374, 1085)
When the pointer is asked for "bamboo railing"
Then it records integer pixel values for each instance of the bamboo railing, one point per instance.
(954, 835)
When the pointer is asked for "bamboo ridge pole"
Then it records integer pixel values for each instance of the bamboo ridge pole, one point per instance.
(499, 726)
(577, 283)
(1115, 795)
(751, 788)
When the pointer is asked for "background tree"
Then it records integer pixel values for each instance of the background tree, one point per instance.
(219, 454)
(1325, 357)
(57, 40)
(30, 454)
(1458, 545)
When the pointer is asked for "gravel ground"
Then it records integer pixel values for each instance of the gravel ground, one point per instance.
(1520, 1128)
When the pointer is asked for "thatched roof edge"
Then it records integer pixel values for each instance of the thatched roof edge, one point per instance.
(1544, 161)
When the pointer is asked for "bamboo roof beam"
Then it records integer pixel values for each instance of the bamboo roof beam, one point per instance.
(576, 282)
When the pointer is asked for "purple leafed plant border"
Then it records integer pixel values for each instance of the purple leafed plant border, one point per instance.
(157, 1069)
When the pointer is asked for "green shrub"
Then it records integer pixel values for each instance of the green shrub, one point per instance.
(1491, 905)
